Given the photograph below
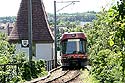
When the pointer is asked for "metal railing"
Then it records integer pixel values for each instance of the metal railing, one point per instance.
(49, 64)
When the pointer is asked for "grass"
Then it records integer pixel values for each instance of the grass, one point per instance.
(87, 77)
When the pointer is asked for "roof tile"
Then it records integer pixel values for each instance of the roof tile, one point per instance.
(41, 30)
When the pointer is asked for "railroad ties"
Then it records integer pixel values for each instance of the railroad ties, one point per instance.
(57, 75)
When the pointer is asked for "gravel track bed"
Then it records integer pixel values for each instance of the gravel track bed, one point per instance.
(66, 77)
(53, 75)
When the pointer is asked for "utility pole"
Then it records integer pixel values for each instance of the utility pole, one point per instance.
(55, 23)
(30, 29)
(55, 31)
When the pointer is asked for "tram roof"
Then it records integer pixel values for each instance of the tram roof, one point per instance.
(73, 35)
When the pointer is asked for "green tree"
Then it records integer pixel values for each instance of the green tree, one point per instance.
(106, 44)
(8, 56)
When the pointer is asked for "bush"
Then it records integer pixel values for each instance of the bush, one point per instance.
(26, 72)
(33, 69)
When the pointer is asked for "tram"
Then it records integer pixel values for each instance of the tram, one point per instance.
(74, 50)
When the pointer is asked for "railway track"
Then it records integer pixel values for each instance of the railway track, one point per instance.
(59, 76)
(54, 75)
(65, 78)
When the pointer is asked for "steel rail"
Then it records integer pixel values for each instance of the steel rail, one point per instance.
(57, 77)
(73, 78)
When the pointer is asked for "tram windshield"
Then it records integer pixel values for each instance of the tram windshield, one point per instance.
(74, 46)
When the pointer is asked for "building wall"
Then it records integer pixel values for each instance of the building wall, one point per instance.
(25, 50)
(43, 51)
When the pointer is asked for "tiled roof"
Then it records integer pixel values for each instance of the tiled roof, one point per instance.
(41, 30)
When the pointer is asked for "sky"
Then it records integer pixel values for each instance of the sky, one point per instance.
(11, 7)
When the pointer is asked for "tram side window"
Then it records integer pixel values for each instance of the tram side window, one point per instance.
(64, 44)
(83, 46)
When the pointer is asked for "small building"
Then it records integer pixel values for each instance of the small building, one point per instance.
(3, 28)
(43, 40)
(6, 27)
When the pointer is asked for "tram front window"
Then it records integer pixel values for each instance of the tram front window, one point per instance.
(73, 46)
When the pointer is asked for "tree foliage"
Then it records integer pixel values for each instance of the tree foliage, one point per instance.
(106, 44)
(25, 71)
(9, 19)
(64, 18)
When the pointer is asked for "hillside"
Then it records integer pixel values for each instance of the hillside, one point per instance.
(61, 17)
